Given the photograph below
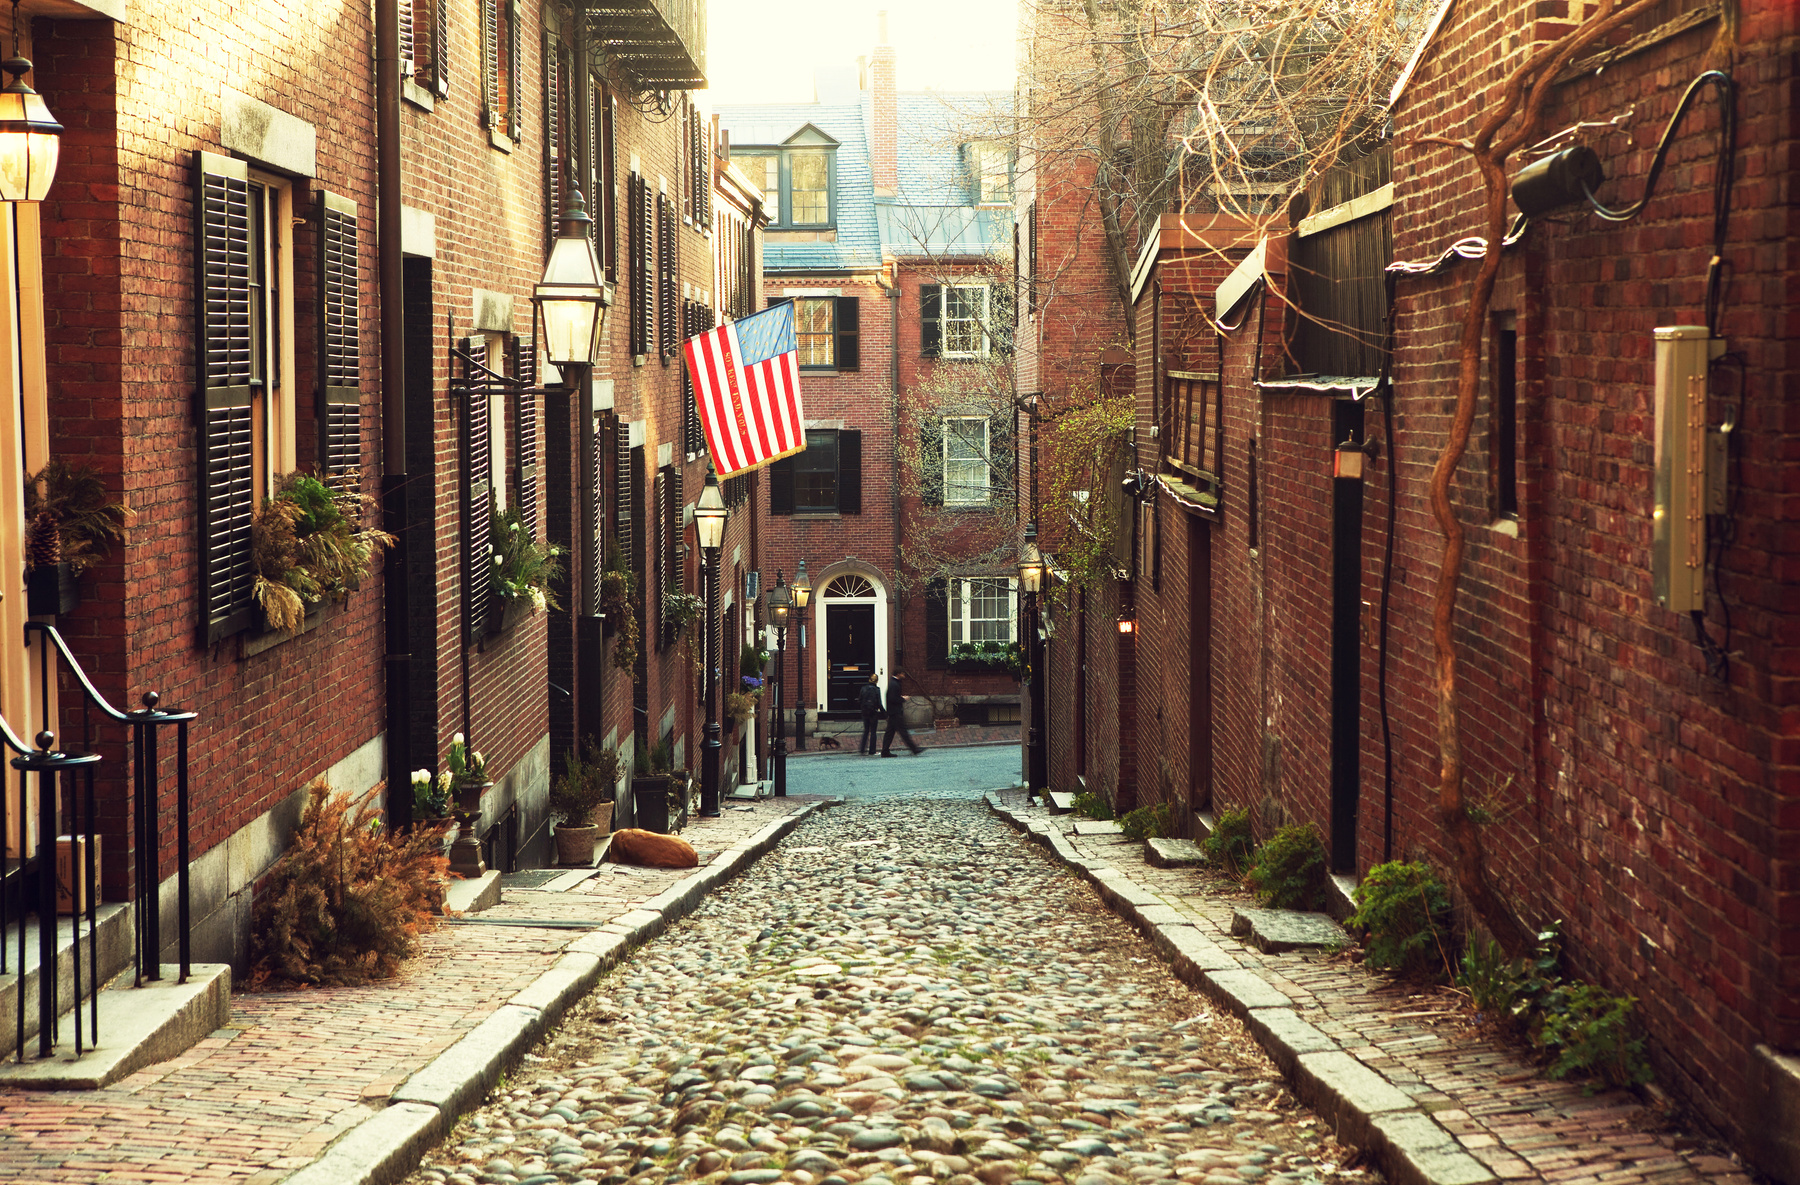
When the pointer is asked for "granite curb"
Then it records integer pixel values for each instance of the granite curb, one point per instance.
(388, 1144)
(1365, 1109)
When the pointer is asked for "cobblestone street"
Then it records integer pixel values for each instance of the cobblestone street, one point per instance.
(905, 992)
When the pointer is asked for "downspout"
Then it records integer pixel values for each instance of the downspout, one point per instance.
(897, 627)
(393, 410)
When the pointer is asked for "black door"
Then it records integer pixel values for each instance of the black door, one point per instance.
(849, 654)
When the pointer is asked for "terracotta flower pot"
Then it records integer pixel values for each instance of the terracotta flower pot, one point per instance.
(575, 842)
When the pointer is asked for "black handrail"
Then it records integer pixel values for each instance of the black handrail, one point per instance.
(47, 762)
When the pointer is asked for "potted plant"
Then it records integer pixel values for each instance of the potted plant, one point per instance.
(308, 545)
(740, 706)
(751, 661)
(987, 656)
(650, 787)
(618, 612)
(431, 804)
(523, 571)
(680, 610)
(581, 801)
(70, 523)
(462, 783)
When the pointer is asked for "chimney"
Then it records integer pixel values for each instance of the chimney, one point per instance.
(883, 115)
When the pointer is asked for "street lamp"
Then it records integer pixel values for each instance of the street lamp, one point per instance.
(571, 298)
(30, 138)
(709, 522)
(1031, 578)
(802, 591)
(781, 603)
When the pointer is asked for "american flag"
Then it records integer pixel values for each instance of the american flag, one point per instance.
(747, 384)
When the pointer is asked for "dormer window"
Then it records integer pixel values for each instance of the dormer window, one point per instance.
(989, 164)
(798, 178)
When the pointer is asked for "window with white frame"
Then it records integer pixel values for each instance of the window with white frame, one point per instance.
(965, 321)
(966, 472)
(982, 610)
(990, 172)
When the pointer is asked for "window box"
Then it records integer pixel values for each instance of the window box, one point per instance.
(505, 612)
(51, 590)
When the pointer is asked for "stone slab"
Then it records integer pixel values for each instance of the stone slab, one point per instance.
(1173, 853)
(1238, 991)
(1285, 1037)
(608, 948)
(563, 981)
(1346, 1093)
(458, 1077)
(1192, 952)
(1161, 915)
(1060, 802)
(643, 923)
(1417, 1151)
(1097, 827)
(1273, 931)
(384, 1147)
(139, 1026)
(474, 894)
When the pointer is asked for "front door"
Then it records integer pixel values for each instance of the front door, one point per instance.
(849, 653)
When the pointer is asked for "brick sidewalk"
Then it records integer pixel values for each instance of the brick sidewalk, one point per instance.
(1504, 1112)
(295, 1069)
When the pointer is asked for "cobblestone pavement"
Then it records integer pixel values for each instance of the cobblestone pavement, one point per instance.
(905, 992)
(294, 1070)
(1504, 1112)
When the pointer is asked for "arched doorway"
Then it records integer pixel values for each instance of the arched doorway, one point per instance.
(853, 627)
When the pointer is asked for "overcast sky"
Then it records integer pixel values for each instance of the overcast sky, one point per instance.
(766, 51)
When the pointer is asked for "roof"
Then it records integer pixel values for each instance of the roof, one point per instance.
(930, 215)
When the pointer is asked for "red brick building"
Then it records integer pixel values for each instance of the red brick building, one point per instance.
(1631, 758)
(887, 234)
(202, 306)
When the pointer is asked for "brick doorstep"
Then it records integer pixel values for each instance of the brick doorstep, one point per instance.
(304, 1079)
(1438, 1106)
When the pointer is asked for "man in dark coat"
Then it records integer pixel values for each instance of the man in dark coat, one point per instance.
(868, 698)
(896, 713)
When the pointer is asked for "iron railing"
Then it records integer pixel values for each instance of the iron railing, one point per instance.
(37, 864)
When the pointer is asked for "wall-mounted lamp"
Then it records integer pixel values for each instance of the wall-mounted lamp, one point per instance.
(30, 139)
(1349, 459)
(1127, 623)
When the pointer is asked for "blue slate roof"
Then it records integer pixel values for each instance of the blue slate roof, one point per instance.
(932, 213)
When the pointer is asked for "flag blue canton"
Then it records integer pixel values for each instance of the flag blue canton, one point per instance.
(766, 335)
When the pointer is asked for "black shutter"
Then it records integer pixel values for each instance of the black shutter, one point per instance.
(623, 506)
(1031, 282)
(937, 625)
(606, 182)
(931, 328)
(781, 486)
(659, 523)
(635, 265)
(477, 493)
(593, 520)
(931, 461)
(555, 87)
(848, 321)
(706, 173)
(525, 435)
(850, 471)
(646, 277)
(409, 49)
(227, 455)
(1001, 448)
(1003, 315)
(440, 48)
(515, 117)
(490, 60)
(668, 276)
(340, 339)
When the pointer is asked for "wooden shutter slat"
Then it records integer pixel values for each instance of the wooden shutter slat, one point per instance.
(490, 60)
(931, 331)
(224, 403)
(850, 471)
(931, 461)
(554, 117)
(477, 491)
(408, 39)
(781, 486)
(847, 324)
(525, 435)
(340, 337)
(937, 625)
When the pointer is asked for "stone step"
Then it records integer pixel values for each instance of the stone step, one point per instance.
(473, 894)
(1173, 853)
(139, 1026)
(114, 934)
(1098, 827)
(1275, 930)
(1060, 802)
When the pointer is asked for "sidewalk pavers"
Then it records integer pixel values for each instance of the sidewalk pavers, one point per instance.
(1433, 1103)
(340, 1085)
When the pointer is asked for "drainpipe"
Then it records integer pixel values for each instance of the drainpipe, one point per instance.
(393, 409)
(896, 621)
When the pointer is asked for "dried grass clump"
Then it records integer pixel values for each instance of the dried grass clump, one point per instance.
(348, 901)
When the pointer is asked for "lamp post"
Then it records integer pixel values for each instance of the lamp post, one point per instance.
(802, 593)
(30, 139)
(709, 522)
(1031, 577)
(781, 603)
(571, 298)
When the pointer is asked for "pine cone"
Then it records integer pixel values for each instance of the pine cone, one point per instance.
(43, 542)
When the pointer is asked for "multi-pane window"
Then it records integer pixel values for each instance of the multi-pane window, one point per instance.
(814, 326)
(966, 474)
(809, 202)
(816, 473)
(981, 610)
(989, 165)
(965, 321)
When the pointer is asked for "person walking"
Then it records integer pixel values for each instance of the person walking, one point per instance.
(896, 716)
(868, 698)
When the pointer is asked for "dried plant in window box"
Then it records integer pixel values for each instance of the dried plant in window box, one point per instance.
(309, 544)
